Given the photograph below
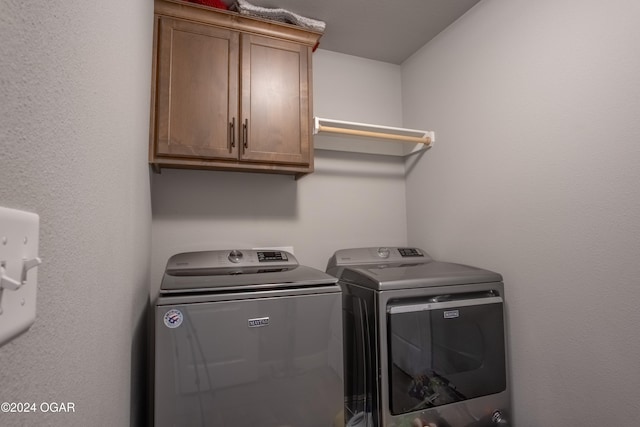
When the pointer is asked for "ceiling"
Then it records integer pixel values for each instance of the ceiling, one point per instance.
(383, 30)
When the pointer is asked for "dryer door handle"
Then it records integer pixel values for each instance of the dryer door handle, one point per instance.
(410, 308)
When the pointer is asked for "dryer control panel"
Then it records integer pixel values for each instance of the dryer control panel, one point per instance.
(376, 256)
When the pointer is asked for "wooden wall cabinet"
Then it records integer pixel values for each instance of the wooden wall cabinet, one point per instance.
(230, 92)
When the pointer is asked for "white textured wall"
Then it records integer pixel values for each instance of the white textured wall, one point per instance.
(74, 97)
(360, 90)
(350, 200)
(536, 174)
(356, 89)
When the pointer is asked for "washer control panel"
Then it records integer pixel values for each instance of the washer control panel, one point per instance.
(209, 261)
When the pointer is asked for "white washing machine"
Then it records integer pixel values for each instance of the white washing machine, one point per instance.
(425, 341)
(247, 338)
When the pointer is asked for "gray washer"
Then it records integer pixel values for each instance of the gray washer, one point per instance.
(246, 338)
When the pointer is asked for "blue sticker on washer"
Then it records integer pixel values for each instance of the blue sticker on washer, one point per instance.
(173, 318)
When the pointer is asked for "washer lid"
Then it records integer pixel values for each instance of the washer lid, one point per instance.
(218, 271)
(404, 276)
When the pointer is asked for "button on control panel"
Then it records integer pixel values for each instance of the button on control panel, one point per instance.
(409, 252)
(271, 256)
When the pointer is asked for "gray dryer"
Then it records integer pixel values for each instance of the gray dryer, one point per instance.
(424, 340)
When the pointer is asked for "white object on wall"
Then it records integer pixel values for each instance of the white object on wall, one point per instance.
(19, 233)
(420, 140)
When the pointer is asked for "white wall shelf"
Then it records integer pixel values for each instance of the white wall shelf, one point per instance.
(368, 138)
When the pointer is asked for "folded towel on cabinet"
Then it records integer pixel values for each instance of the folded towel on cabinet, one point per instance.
(278, 14)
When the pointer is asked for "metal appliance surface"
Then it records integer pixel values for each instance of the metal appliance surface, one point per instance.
(246, 338)
(425, 341)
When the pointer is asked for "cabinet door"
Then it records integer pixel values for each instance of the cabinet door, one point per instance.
(197, 92)
(275, 101)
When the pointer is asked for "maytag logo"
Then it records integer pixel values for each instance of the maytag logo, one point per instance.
(258, 322)
(451, 314)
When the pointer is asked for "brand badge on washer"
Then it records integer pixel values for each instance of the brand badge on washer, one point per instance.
(258, 322)
(451, 314)
(173, 318)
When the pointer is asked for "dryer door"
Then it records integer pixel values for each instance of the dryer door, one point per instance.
(445, 349)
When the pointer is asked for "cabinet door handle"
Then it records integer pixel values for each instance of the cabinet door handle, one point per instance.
(232, 134)
(245, 135)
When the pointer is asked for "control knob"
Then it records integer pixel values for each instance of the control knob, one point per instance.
(384, 252)
(235, 256)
